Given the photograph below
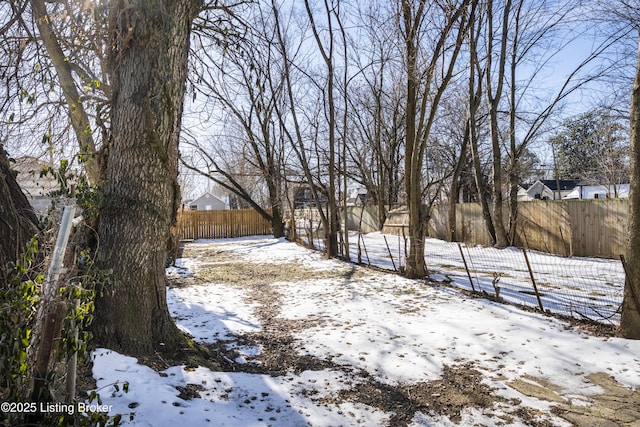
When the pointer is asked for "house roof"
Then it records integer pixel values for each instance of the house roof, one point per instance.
(551, 184)
(565, 184)
(589, 191)
(205, 196)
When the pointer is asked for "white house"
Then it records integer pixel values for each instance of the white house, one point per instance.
(546, 189)
(206, 202)
(599, 192)
(37, 188)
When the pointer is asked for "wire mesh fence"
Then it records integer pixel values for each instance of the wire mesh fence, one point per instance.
(582, 288)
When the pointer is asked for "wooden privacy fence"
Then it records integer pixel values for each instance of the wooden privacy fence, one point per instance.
(221, 224)
(591, 228)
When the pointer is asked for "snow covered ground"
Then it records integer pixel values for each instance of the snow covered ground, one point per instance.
(362, 347)
(584, 288)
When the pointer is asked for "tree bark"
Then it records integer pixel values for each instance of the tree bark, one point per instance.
(630, 321)
(18, 222)
(141, 197)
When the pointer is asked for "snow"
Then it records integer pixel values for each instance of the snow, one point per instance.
(397, 330)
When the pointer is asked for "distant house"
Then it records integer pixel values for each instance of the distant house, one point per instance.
(303, 198)
(206, 202)
(546, 189)
(620, 191)
(37, 188)
(358, 197)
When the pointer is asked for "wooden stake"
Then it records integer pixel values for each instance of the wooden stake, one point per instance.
(390, 255)
(533, 279)
(466, 267)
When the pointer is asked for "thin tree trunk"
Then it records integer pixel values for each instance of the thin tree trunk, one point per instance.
(297, 142)
(454, 191)
(77, 114)
(514, 169)
(630, 321)
(494, 102)
(475, 94)
(142, 195)
(416, 266)
(331, 233)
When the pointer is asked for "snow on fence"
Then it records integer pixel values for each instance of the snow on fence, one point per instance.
(220, 224)
(582, 288)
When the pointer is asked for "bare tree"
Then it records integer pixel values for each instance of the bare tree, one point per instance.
(516, 57)
(244, 83)
(57, 89)
(327, 52)
(376, 115)
(494, 96)
(79, 118)
(425, 88)
(475, 91)
(536, 27)
(291, 117)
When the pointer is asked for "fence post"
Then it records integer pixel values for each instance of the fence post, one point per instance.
(50, 313)
(627, 278)
(365, 250)
(73, 361)
(194, 224)
(466, 267)
(533, 280)
(390, 255)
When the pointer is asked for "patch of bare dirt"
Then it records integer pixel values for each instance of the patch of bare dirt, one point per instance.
(615, 406)
(460, 387)
(189, 391)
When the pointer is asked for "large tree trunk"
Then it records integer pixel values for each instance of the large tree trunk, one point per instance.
(419, 129)
(18, 222)
(142, 195)
(630, 322)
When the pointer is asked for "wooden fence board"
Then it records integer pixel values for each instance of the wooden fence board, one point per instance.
(594, 227)
(221, 224)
